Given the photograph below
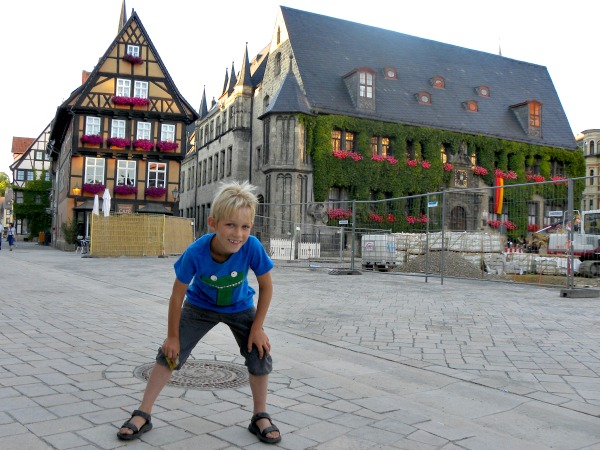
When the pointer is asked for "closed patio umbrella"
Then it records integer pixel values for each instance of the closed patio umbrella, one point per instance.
(106, 203)
(96, 208)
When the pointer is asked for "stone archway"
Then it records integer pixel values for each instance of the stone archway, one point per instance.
(458, 219)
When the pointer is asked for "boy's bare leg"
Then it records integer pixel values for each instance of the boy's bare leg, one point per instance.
(259, 386)
(158, 379)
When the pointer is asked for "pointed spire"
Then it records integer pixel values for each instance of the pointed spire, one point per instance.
(203, 108)
(122, 17)
(232, 80)
(226, 81)
(245, 78)
(499, 48)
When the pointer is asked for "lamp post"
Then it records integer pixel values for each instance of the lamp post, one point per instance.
(76, 191)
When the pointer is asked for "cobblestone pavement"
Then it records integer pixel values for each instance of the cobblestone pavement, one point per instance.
(370, 361)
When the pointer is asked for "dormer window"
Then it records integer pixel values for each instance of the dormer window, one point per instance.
(133, 50)
(471, 106)
(529, 115)
(366, 85)
(483, 91)
(437, 82)
(360, 84)
(424, 98)
(390, 73)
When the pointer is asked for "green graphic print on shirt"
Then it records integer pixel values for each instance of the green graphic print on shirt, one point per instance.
(225, 286)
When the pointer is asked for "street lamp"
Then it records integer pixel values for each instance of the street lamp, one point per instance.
(175, 194)
(76, 191)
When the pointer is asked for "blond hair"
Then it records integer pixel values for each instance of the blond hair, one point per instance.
(232, 197)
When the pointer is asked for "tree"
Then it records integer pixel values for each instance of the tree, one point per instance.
(34, 205)
(3, 183)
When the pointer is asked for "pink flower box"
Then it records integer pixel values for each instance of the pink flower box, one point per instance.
(133, 59)
(478, 170)
(123, 189)
(143, 144)
(155, 191)
(167, 146)
(92, 139)
(118, 142)
(134, 101)
(93, 188)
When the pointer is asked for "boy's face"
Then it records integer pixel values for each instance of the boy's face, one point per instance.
(230, 232)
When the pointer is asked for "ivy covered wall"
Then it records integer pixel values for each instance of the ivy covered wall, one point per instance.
(366, 177)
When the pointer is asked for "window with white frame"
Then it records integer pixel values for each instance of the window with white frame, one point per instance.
(126, 173)
(117, 129)
(94, 170)
(366, 84)
(140, 89)
(30, 175)
(47, 176)
(123, 87)
(39, 155)
(20, 175)
(167, 132)
(143, 130)
(92, 125)
(157, 173)
(133, 50)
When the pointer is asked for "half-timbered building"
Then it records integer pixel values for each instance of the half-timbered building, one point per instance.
(124, 129)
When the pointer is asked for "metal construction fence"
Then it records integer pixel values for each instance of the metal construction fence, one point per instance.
(139, 235)
(491, 233)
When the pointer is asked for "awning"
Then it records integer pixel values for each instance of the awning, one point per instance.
(154, 208)
(87, 205)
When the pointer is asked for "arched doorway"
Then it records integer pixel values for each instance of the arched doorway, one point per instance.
(458, 219)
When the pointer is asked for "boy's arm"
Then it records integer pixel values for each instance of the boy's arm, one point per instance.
(257, 336)
(171, 345)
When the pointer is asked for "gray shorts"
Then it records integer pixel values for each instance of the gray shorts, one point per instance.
(195, 322)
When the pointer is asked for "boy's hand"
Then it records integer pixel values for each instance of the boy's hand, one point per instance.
(259, 338)
(170, 348)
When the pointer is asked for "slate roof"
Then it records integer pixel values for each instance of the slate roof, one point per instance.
(326, 49)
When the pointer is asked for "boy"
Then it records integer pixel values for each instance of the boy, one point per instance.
(217, 266)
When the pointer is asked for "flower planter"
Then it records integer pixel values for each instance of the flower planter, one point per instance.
(167, 146)
(93, 188)
(118, 143)
(155, 192)
(133, 59)
(143, 145)
(91, 139)
(131, 101)
(123, 189)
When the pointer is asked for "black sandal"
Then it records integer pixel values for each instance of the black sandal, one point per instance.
(136, 433)
(262, 435)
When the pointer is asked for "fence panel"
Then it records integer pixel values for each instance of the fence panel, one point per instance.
(465, 233)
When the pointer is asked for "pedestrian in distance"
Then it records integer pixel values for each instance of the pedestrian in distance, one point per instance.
(11, 235)
(211, 287)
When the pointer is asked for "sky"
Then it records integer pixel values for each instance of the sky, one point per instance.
(45, 45)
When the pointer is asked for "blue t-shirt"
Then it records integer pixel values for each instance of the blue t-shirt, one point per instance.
(221, 287)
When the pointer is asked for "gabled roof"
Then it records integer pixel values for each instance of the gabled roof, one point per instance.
(105, 69)
(325, 49)
(20, 145)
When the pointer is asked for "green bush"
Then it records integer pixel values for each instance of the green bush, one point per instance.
(69, 230)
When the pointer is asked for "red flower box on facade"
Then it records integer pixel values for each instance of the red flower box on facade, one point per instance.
(133, 59)
(425, 164)
(123, 189)
(343, 154)
(412, 162)
(155, 191)
(478, 170)
(93, 188)
(167, 146)
(135, 101)
(533, 227)
(93, 139)
(143, 144)
(339, 213)
(118, 142)
(374, 217)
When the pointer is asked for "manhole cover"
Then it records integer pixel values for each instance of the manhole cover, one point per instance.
(203, 375)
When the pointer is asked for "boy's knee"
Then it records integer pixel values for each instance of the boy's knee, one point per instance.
(259, 366)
